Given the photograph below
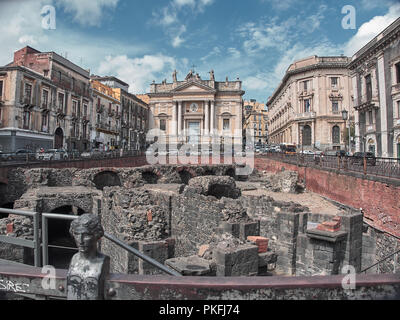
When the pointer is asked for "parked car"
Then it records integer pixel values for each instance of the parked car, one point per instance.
(94, 153)
(53, 154)
(358, 158)
(307, 152)
(21, 154)
(74, 154)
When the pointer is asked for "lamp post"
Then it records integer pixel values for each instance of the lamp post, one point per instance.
(345, 116)
(301, 130)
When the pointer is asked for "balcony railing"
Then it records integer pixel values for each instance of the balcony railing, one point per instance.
(396, 88)
(365, 101)
(370, 127)
(305, 115)
(27, 100)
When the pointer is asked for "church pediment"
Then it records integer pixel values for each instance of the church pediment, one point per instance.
(193, 87)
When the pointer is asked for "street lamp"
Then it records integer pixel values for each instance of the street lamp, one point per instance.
(302, 129)
(345, 116)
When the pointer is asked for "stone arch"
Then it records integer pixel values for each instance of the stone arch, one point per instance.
(185, 176)
(58, 235)
(150, 177)
(231, 172)
(106, 179)
(371, 146)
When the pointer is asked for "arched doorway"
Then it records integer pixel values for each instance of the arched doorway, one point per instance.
(307, 135)
(58, 235)
(335, 135)
(59, 139)
(371, 146)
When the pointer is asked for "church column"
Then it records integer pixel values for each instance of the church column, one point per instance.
(212, 117)
(174, 124)
(206, 118)
(179, 117)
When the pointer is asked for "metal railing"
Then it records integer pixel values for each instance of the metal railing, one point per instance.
(27, 158)
(33, 244)
(375, 166)
(36, 244)
(377, 264)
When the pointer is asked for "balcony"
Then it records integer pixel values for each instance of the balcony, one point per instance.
(99, 108)
(118, 115)
(396, 89)
(111, 113)
(365, 102)
(305, 116)
(85, 118)
(27, 100)
(45, 106)
(370, 127)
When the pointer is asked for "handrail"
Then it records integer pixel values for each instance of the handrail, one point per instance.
(380, 261)
(35, 243)
(141, 255)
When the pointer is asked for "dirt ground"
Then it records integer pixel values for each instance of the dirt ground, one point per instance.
(313, 201)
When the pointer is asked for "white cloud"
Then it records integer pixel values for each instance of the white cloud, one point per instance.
(181, 3)
(167, 17)
(280, 4)
(177, 39)
(138, 72)
(371, 29)
(87, 12)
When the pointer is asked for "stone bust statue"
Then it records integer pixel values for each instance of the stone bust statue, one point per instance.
(89, 267)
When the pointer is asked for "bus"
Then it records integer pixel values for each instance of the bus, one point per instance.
(287, 148)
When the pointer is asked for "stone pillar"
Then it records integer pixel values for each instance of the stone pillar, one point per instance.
(313, 133)
(383, 107)
(357, 130)
(206, 118)
(179, 118)
(212, 116)
(174, 126)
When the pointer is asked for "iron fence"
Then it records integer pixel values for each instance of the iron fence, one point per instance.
(375, 166)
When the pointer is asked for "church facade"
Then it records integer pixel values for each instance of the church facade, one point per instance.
(194, 111)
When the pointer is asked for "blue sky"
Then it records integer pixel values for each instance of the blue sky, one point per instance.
(142, 41)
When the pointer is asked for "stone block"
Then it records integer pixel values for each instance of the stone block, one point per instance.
(249, 229)
(260, 242)
(266, 258)
(190, 266)
(158, 250)
(239, 261)
(231, 228)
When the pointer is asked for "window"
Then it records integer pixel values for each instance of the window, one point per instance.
(397, 72)
(307, 105)
(255, 117)
(45, 98)
(334, 82)
(74, 104)
(98, 118)
(370, 117)
(162, 124)
(27, 118)
(85, 109)
(44, 122)
(84, 131)
(28, 92)
(368, 86)
(335, 107)
(1, 89)
(398, 109)
(61, 101)
(305, 85)
(225, 125)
